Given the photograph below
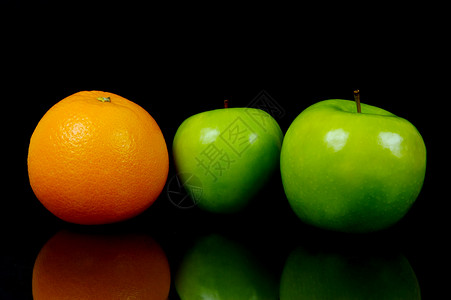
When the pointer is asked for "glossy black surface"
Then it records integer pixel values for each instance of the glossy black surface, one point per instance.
(180, 79)
(268, 228)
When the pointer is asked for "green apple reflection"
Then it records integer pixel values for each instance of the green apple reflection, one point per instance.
(326, 275)
(218, 269)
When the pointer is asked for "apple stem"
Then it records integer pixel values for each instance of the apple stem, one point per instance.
(226, 103)
(357, 100)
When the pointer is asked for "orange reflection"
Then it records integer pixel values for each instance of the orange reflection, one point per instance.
(79, 266)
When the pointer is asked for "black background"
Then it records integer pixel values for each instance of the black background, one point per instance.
(175, 65)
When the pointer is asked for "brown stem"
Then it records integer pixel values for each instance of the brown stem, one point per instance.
(226, 103)
(357, 100)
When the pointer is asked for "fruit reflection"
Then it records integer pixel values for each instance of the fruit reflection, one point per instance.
(218, 268)
(79, 266)
(325, 275)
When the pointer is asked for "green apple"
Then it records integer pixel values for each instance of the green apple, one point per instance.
(218, 268)
(231, 152)
(349, 171)
(327, 275)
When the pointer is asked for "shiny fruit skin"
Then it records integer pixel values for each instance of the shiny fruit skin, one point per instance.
(349, 171)
(231, 151)
(96, 157)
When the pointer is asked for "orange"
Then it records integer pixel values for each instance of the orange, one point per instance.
(97, 158)
(78, 266)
